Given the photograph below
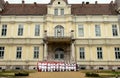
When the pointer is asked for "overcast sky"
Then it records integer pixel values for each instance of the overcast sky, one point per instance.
(70, 1)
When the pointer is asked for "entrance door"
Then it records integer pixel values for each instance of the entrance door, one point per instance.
(59, 54)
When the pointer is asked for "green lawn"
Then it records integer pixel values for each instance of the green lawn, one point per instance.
(104, 73)
(10, 73)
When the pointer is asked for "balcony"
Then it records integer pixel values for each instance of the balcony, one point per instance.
(67, 37)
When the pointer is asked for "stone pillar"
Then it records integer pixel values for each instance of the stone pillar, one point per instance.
(45, 51)
(45, 46)
(72, 51)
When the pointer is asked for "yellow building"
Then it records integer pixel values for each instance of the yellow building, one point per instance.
(87, 34)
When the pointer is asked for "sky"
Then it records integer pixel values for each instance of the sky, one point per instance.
(69, 1)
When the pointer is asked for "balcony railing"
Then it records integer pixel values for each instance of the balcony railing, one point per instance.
(58, 37)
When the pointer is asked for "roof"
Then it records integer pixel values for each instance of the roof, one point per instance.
(76, 9)
(25, 9)
(93, 9)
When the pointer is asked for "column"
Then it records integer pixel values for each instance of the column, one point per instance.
(45, 51)
(45, 46)
(72, 51)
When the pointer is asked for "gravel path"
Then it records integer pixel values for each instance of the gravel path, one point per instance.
(57, 75)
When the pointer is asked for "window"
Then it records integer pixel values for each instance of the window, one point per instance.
(2, 52)
(4, 30)
(82, 53)
(99, 53)
(20, 30)
(59, 31)
(36, 52)
(56, 11)
(117, 53)
(97, 30)
(80, 30)
(62, 11)
(37, 30)
(19, 53)
(114, 30)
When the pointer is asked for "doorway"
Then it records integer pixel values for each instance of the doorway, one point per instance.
(59, 54)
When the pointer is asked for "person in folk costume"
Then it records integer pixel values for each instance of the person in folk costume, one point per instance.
(42, 67)
(67, 68)
(74, 67)
(39, 67)
(49, 67)
(57, 66)
(54, 66)
(60, 67)
(63, 66)
(45, 66)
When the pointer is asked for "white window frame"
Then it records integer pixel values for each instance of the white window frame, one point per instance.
(62, 11)
(36, 53)
(20, 30)
(37, 30)
(82, 52)
(19, 53)
(97, 30)
(56, 11)
(114, 30)
(117, 52)
(80, 31)
(4, 30)
(2, 52)
(99, 53)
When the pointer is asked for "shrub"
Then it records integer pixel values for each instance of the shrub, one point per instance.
(22, 74)
(88, 74)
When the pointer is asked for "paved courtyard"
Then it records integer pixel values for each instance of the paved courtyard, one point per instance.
(57, 75)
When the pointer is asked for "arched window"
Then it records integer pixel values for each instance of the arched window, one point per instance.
(59, 31)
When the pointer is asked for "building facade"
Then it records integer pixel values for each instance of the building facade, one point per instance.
(86, 34)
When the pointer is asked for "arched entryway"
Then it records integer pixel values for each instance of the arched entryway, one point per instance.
(59, 54)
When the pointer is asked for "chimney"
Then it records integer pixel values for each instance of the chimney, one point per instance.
(96, 2)
(87, 2)
(83, 3)
(23, 1)
(2, 5)
(35, 3)
(111, 2)
(6, 2)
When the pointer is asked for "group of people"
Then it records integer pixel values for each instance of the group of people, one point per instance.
(56, 66)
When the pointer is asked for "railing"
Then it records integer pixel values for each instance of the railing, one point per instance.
(59, 35)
